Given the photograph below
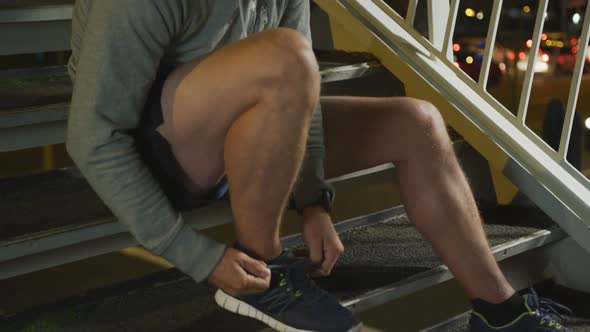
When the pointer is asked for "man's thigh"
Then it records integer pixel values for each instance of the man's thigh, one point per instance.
(201, 99)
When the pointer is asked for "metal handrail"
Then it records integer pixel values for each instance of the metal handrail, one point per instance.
(502, 110)
(584, 39)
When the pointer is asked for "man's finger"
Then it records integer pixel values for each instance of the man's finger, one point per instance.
(254, 267)
(256, 284)
(329, 262)
(316, 251)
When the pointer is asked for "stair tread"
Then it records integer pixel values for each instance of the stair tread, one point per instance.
(22, 93)
(11, 4)
(41, 202)
(391, 251)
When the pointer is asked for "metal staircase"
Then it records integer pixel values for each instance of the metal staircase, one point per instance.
(424, 66)
(386, 261)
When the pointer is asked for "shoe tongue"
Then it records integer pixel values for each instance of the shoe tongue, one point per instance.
(532, 302)
(285, 258)
(297, 267)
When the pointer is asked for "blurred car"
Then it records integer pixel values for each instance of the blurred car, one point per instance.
(557, 55)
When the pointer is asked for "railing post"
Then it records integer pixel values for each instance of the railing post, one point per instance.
(575, 88)
(411, 14)
(450, 30)
(530, 71)
(438, 15)
(490, 43)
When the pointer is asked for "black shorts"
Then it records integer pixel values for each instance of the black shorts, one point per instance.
(157, 154)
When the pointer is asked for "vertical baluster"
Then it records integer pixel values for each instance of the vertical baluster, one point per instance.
(411, 15)
(533, 54)
(448, 42)
(438, 13)
(490, 43)
(568, 120)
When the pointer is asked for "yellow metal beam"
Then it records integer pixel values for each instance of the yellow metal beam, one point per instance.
(48, 158)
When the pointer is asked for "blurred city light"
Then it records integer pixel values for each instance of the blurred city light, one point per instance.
(588, 123)
(469, 12)
(469, 60)
(526, 9)
(456, 47)
(479, 15)
(555, 43)
(576, 18)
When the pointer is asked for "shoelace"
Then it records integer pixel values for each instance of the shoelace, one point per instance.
(293, 271)
(547, 308)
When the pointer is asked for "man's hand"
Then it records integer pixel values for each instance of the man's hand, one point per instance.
(324, 244)
(239, 274)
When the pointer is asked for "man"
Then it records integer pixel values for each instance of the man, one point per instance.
(174, 100)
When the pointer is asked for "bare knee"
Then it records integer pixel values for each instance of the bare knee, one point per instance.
(294, 51)
(422, 114)
(295, 76)
(427, 124)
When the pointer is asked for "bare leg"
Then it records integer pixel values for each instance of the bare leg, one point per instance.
(434, 190)
(245, 111)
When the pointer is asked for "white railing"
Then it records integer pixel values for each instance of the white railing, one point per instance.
(449, 27)
(542, 173)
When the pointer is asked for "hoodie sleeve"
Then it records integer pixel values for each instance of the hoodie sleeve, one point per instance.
(121, 48)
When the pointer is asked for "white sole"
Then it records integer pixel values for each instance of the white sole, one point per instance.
(239, 307)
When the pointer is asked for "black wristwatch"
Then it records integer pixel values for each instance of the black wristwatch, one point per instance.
(324, 200)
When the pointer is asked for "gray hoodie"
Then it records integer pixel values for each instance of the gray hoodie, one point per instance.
(117, 48)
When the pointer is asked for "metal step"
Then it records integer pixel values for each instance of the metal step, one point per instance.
(33, 108)
(33, 127)
(29, 4)
(55, 218)
(47, 22)
(385, 259)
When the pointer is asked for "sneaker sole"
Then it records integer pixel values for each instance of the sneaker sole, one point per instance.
(239, 307)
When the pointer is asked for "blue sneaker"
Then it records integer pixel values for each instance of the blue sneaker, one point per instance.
(292, 303)
(538, 318)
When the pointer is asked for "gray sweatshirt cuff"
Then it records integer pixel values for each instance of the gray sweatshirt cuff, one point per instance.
(194, 253)
(311, 180)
